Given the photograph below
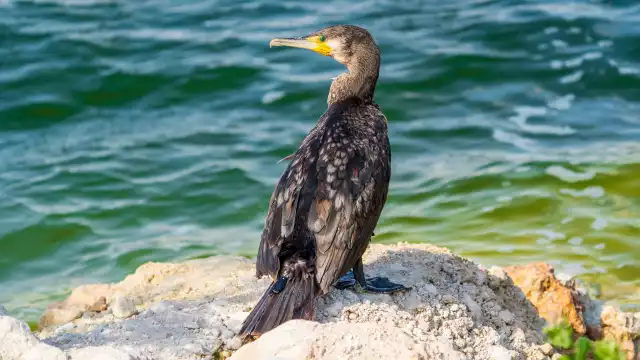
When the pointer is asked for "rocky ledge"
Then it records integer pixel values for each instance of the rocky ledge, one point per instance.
(456, 309)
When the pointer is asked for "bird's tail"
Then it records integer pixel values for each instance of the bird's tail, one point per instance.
(290, 297)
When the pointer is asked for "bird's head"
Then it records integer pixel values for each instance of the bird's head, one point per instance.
(347, 44)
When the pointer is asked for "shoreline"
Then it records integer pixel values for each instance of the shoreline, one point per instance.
(456, 309)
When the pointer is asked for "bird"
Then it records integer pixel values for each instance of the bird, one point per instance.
(327, 202)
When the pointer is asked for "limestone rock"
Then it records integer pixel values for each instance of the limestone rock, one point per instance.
(42, 351)
(306, 339)
(123, 307)
(80, 300)
(99, 305)
(553, 300)
(623, 328)
(189, 311)
(18, 343)
(99, 353)
(154, 282)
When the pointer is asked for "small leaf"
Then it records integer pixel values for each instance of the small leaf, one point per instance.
(607, 350)
(564, 357)
(560, 336)
(582, 347)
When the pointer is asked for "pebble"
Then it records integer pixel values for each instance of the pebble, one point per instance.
(234, 344)
(353, 316)
(500, 353)
(445, 313)
(335, 309)
(474, 308)
(195, 348)
(448, 299)
(506, 316)
(225, 333)
(480, 278)
(431, 289)
(123, 307)
(546, 348)
(99, 305)
(447, 268)
(65, 328)
(498, 273)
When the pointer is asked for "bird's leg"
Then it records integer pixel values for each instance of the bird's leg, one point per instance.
(375, 284)
(346, 281)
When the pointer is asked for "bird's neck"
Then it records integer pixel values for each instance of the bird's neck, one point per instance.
(359, 82)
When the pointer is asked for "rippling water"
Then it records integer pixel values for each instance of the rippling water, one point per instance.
(133, 131)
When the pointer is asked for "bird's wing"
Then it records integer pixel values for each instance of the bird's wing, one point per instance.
(283, 206)
(351, 191)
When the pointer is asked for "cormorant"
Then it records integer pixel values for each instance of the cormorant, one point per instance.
(326, 204)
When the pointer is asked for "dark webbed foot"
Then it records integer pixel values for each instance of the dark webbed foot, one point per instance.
(347, 281)
(375, 284)
(382, 285)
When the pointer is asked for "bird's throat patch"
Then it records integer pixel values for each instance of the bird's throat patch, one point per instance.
(321, 47)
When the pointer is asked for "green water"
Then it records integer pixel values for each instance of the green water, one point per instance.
(133, 131)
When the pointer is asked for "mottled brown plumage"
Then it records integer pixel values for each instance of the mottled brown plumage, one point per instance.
(326, 204)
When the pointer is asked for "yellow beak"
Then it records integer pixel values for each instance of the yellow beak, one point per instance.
(311, 43)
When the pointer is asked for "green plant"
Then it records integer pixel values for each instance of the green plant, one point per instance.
(561, 337)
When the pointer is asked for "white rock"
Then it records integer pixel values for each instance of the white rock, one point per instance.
(204, 301)
(546, 349)
(431, 289)
(16, 337)
(474, 308)
(500, 353)
(123, 306)
(18, 343)
(43, 351)
(340, 341)
(65, 328)
(99, 353)
(234, 344)
(506, 316)
(335, 309)
(195, 348)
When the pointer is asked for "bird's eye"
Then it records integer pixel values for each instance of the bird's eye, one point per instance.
(323, 38)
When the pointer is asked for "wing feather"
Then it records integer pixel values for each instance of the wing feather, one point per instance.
(346, 209)
(284, 212)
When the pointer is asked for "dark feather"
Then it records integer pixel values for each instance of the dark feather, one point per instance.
(323, 210)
